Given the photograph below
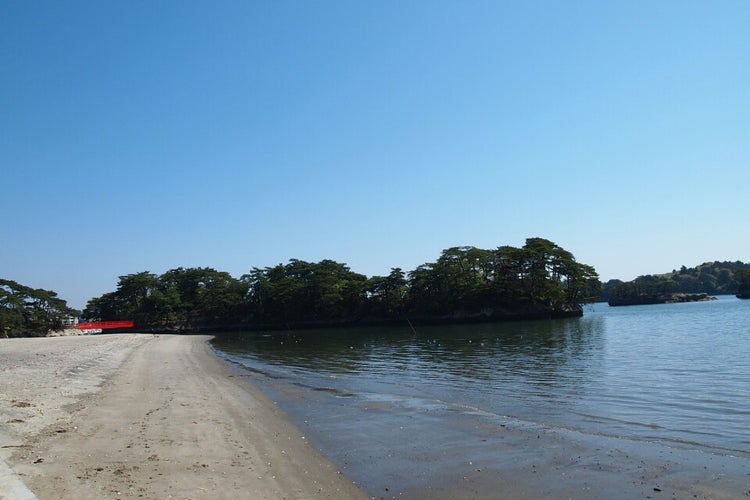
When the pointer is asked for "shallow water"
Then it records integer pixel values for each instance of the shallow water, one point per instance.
(677, 375)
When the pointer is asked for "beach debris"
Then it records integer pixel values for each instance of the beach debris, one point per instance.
(656, 488)
(21, 404)
(39, 460)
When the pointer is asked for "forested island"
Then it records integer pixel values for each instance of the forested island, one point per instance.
(743, 291)
(683, 285)
(465, 284)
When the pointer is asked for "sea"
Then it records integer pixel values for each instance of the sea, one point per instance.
(407, 398)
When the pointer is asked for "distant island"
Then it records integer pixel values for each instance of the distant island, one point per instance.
(743, 292)
(684, 285)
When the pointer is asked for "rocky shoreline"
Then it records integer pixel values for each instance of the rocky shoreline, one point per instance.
(670, 298)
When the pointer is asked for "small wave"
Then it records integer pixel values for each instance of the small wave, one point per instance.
(337, 392)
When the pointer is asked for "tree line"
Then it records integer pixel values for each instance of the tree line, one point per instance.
(713, 278)
(743, 290)
(26, 311)
(465, 283)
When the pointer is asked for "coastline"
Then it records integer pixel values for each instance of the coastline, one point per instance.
(415, 440)
(162, 416)
(149, 416)
(480, 456)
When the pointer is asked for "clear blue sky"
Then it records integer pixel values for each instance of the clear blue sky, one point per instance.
(146, 135)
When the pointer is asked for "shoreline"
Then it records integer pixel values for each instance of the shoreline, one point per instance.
(413, 443)
(163, 416)
(149, 416)
(481, 456)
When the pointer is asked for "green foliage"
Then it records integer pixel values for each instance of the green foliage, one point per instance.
(541, 277)
(178, 299)
(652, 290)
(385, 294)
(743, 288)
(26, 311)
(306, 292)
(713, 278)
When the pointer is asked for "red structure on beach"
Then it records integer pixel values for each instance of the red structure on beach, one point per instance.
(95, 325)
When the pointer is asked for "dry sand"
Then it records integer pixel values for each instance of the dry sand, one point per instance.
(146, 416)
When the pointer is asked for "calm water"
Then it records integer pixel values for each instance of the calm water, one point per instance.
(676, 374)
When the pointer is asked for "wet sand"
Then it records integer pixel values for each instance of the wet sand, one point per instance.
(401, 447)
(146, 416)
(552, 464)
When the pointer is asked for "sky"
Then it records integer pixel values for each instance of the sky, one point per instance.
(150, 135)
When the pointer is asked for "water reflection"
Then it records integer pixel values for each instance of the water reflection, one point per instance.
(676, 373)
(548, 354)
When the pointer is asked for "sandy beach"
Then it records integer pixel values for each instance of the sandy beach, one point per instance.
(146, 416)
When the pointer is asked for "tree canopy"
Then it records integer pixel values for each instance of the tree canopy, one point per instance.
(178, 299)
(743, 289)
(465, 283)
(26, 311)
(713, 278)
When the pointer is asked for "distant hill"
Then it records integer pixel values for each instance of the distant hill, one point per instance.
(713, 278)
